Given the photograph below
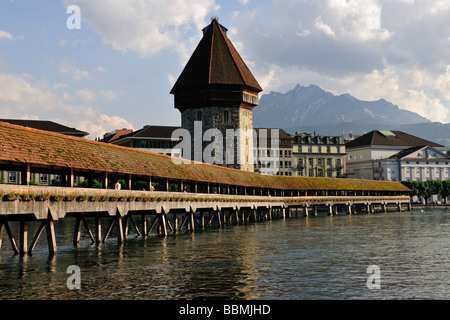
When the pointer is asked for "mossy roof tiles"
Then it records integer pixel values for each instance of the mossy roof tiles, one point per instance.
(36, 147)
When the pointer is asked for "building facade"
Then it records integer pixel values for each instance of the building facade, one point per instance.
(273, 152)
(318, 156)
(397, 156)
(156, 139)
(216, 94)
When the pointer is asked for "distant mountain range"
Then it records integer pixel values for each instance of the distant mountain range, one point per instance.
(312, 109)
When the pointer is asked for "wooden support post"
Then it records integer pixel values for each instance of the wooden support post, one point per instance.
(71, 178)
(175, 222)
(305, 211)
(4, 223)
(98, 230)
(23, 244)
(130, 182)
(26, 174)
(88, 230)
(77, 233)
(202, 220)
(349, 209)
(330, 210)
(2, 228)
(36, 237)
(144, 226)
(162, 224)
(105, 181)
(108, 230)
(51, 238)
(191, 220)
(315, 211)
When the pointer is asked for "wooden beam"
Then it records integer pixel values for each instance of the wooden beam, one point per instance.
(23, 243)
(5, 224)
(26, 174)
(98, 229)
(36, 237)
(77, 232)
(51, 238)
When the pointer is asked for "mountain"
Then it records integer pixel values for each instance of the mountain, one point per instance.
(314, 109)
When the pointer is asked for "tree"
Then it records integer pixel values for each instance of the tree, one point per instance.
(445, 192)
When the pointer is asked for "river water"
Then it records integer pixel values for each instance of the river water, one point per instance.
(322, 257)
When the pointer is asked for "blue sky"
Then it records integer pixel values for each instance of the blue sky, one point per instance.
(117, 70)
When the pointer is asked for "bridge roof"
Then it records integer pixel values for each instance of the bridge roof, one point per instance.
(21, 145)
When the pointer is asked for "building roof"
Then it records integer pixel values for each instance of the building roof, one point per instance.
(406, 152)
(47, 126)
(149, 131)
(390, 138)
(215, 61)
(20, 145)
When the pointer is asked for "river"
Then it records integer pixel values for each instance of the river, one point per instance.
(322, 257)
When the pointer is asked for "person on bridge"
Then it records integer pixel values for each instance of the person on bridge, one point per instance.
(117, 186)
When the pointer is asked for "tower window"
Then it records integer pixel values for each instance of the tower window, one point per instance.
(227, 117)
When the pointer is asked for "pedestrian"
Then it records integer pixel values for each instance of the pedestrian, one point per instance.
(117, 186)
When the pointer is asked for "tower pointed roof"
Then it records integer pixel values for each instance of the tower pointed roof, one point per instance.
(215, 61)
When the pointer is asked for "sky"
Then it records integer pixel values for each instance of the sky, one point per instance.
(110, 64)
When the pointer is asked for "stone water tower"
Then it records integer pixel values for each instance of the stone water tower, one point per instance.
(216, 90)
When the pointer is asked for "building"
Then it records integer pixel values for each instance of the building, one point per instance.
(318, 156)
(273, 152)
(47, 126)
(216, 94)
(156, 139)
(40, 178)
(397, 156)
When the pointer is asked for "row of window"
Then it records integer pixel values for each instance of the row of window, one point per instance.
(320, 173)
(273, 164)
(320, 161)
(320, 149)
(272, 153)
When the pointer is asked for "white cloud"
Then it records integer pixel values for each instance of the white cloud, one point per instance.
(320, 25)
(6, 35)
(87, 96)
(110, 95)
(373, 49)
(151, 26)
(24, 97)
(68, 67)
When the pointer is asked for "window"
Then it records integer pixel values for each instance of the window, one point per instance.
(12, 177)
(328, 149)
(227, 117)
(43, 178)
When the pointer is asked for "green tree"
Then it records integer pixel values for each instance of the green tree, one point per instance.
(445, 192)
(424, 190)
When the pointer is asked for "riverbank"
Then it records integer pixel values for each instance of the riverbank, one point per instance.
(430, 206)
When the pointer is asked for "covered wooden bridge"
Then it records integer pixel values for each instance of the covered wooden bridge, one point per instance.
(197, 191)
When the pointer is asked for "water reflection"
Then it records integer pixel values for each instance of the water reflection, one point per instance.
(323, 257)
